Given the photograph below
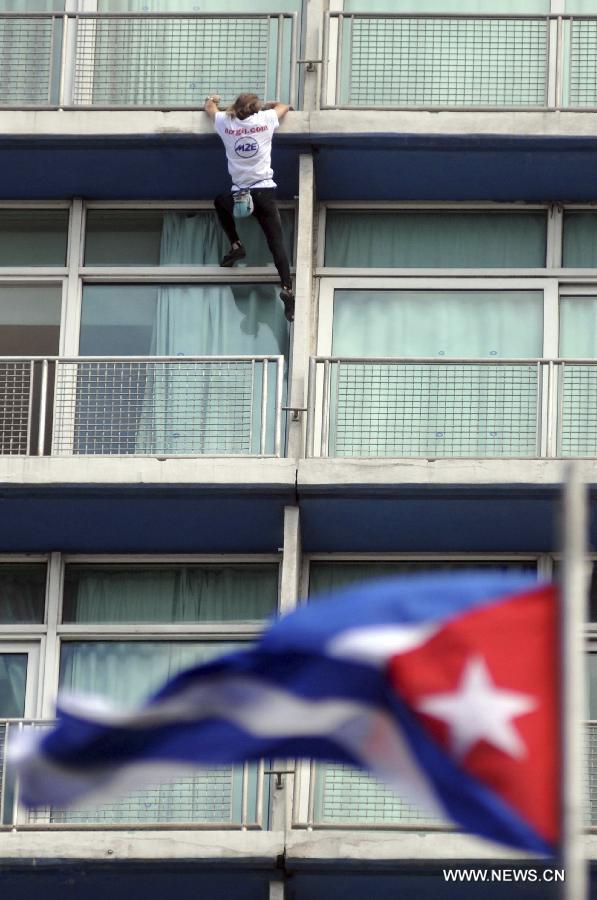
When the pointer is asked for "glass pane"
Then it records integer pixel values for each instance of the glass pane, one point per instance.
(30, 6)
(13, 679)
(592, 673)
(128, 672)
(325, 577)
(155, 237)
(578, 332)
(435, 239)
(350, 796)
(177, 407)
(169, 593)
(182, 320)
(207, 6)
(22, 593)
(476, 324)
(580, 240)
(33, 237)
(450, 6)
(30, 319)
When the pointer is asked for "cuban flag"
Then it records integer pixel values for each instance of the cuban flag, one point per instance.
(445, 687)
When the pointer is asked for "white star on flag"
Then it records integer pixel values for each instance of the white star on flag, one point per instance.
(479, 710)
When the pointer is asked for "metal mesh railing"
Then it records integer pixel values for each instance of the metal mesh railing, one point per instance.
(177, 61)
(405, 408)
(28, 47)
(168, 407)
(424, 61)
(350, 797)
(210, 797)
(16, 383)
(577, 414)
(582, 74)
(420, 61)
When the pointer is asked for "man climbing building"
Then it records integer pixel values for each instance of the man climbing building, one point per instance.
(247, 128)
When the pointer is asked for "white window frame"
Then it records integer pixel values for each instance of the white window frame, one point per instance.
(33, 650)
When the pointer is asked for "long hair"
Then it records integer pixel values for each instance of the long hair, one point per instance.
(244, 106)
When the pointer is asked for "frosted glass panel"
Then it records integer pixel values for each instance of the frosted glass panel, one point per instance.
(169, 593)
(33, 237)
(127, 672)
(22, 594)
(438, 323)
(13, 679)
(428, 239)
(449, 6)
(206, 6)
(580, 239)
(155, 237)
(578, 327)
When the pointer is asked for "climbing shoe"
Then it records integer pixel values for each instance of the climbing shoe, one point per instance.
(287, 298)
(233, 254)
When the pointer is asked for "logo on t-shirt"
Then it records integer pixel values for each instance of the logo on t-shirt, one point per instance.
(246, 146)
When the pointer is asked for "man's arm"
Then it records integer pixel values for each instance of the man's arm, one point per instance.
(211, 106)
(280, 108)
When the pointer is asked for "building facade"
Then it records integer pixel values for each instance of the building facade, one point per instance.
(178, 464)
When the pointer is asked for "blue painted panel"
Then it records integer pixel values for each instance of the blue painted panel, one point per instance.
(125, 883)
(136, 522)
(428, 521)
(348, 167)
(428, 885)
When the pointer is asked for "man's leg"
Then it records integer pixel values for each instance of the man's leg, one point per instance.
(267, 214)
(224, 205)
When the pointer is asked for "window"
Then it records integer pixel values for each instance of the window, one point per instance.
(33, 237)
(580, 239)
(152, 237)
(402, 239)
(169, 594)
(125, 626)
(348, 796)
(22, 593)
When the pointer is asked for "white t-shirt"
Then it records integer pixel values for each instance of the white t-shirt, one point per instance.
(248, 144)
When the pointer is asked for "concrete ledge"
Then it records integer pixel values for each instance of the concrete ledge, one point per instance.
(118, 470)
(378, 846)
(82, 124)
(245, 848)
(378, 473)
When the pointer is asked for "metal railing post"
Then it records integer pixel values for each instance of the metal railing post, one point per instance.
(263, 420)
(310, 431)
(279, 49)
(43, 402)
(325, 411)
(245, 797)
(278, 419)
(292, 87)
(325, 61)
(67, 60)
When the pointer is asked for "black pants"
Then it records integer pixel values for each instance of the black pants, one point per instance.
(266, 213)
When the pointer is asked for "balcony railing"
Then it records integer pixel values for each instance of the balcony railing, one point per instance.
(452, 408)
(236, 797)
(430, 61)
(215, 797)
(141, 406)
(157, 60)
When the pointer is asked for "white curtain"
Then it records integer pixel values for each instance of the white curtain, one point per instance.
(126, 672)
(169, 595)
(389, 409)
(189, 409)
(578, 382)
(429, 239)
(580, 239)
